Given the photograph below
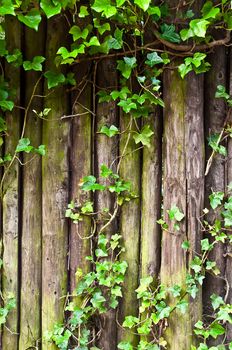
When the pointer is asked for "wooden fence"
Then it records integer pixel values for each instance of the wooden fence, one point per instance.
(41, 249)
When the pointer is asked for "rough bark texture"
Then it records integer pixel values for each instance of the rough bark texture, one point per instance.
(11, 195)
(129, 227)
(107, 115)
(215, 180)
(55, 193)
(30, 332)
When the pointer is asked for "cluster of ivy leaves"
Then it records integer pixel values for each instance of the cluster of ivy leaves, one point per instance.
(135, 32)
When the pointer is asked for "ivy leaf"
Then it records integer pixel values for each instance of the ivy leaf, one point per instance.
(185, 245)
(175, 214)
(130, 321)
(209, 11)
(205, 245)
(54, 79)
(83, 12)
(199, 27)
(110, 132)
(182, 306)
(41, 150)
(216, 199)
(153, 58)
(77, 33)
(89, 183)
(216, 301)
(105, 7)
(125, 346)
(221, 92)
(35, 64)
(50, 8)
(32, 19)
(7, 8)
(143, 4)
(24, 146)
(7, 105)
(216, 329)
(126, 65)
(144, 136)
(169, 33)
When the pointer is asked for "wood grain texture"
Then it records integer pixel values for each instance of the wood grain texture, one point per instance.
(106, 153)
(31, 246)
(130, 227)
(81, 165)
(55, 174)
(11, 197)
(215, 115)
(151, 199)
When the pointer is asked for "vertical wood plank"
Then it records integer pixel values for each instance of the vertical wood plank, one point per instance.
(228, 274)
(130, 225)
(10, 282)
(106, 153)
(55, 192)
(151, 199)
(215, 116)
(81, 154)
(183, 187)
(31, 247)
(173, 263)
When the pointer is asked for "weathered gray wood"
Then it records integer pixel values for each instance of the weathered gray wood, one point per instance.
(106, 153)
(55, 174)
(31, 247)
(151, 199)
(215, 180)
(130, 226)
(11, 197)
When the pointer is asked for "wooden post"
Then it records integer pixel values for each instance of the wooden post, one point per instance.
(11, 194)
(215, 116)
(130, 225)
(106, 153)
(55, 174)
(31, 247)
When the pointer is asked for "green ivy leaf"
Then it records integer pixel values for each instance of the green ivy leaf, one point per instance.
(77, 33)
(24, 145)
(216, 329)
(110, 132)
(7, 105)
(153, 58)
(216, 199)
(54, 78)
(143, 4)
(35, 64)
(175, 214)
(50, 8)
(105, 7)
(169, 33)
(124, 345)
(7, 8)
(199, 27)
(144, 136)
(83, 12)
(209, 11)
(32, 19)
(130, 321)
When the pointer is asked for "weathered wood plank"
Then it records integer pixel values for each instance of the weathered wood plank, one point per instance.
(31, 247)
(11, 197)
(55, 174)
(215, 116)
(130, 225)
(106, 153)
(81, 165)
(151, 199)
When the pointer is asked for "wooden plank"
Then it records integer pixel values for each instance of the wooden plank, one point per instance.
(11, 222)
(55, 174)
(215, 116)
(31, 246)
(151, 199)
(183, 183)
(173, 263)
(106, 153)
(81, 165)
(228, 252)
(129, 226)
